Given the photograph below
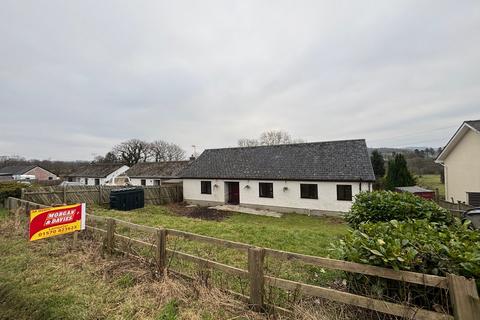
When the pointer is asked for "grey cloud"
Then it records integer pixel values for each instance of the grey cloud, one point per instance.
(79, 77)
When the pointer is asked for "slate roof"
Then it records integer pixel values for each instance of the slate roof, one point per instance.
(346, 160)
(474, 123)
(96, 170)
(164, 169)
(16, 170)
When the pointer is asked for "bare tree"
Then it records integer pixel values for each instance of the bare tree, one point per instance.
(158, 150)
(248, 142)
(132, 151)
(175, 152)
(274, 137)
(164, 151)
(110, 157)
(269, 138)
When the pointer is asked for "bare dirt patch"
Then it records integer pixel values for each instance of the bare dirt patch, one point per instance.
(203, 213)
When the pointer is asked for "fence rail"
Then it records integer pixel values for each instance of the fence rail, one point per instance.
(462, 291)
(457, 209)
(98, 194)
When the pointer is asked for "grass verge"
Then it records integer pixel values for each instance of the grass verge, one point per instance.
(432, 181)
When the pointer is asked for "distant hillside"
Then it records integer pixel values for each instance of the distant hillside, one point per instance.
(420, 160)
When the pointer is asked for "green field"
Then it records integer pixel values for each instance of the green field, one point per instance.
(431, 181)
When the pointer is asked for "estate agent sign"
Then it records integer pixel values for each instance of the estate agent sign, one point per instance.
(55, 221)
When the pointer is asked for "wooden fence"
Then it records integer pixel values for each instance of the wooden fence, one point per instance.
(462, 292)
(54, 195)
(456, 209)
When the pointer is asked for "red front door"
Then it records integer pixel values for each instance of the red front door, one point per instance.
(233, 192)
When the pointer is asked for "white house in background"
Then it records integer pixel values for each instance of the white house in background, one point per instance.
(316, 178)
(461, 162)
(155, 173)
(97, 174)
(29, 172)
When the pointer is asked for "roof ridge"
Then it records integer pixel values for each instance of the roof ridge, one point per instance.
(288, 144)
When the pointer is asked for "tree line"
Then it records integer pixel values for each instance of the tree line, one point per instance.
(397, 172)
(133, 151)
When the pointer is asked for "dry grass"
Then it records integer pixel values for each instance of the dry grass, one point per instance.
(48, 279)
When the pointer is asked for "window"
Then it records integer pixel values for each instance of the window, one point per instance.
(474, 199)
(97, 182)
(344, 192)
(265, 190)
(206, 187)
(70, 179)
(156, 182)
(308, 191)
(143, 182)
(86, 181)
(50, 178)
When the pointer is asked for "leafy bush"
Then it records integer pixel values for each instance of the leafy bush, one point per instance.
(383, 206)
(414, 245)
(10, 189)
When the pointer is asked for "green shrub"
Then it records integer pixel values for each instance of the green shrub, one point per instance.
(10, 189)
(383, 206)
(414, 245)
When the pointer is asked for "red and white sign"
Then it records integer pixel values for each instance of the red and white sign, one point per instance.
(55, 221)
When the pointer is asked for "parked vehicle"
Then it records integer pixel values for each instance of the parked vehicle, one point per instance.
(473, 215)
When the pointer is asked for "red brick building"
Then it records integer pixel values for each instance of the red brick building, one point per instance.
(30, 172)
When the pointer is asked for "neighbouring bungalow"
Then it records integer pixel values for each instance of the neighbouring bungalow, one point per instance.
(97, 174)
(461, 162)
(313, 178)
(155, 173)
(29, 172)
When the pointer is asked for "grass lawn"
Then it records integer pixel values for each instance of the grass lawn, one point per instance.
(293, 232)
(431, 181)
(46, 279)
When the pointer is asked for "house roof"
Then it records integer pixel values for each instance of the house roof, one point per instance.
(96, 170)
(346, 160)
(464, 128)
(164, 169)
(16, 170)
(475, 124)
(413, 189)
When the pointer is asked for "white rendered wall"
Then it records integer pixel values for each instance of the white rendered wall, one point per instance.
(289, 197)
(103, 181)
(462, 168)
(148, 182)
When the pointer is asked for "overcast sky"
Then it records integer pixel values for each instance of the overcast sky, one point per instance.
(77, 77)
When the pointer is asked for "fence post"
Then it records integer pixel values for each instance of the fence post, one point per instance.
(65, 194)
(464, 297)
(110, 240)
(161, 250)
(75, 240)
(22, 194)
(99, 194)
(256, 257)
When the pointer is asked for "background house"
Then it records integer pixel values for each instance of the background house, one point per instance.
(306, 177)
(154, 173)
(28, 172)
(461, 161)
(97, 174)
